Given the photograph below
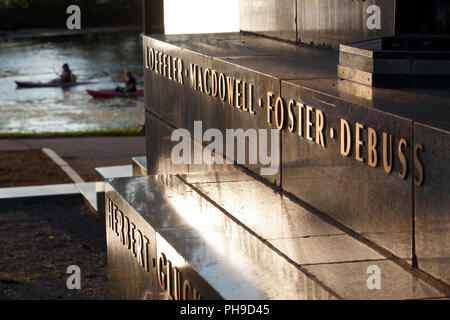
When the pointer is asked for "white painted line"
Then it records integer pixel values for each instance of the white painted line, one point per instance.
(57, 159)
(63, 165)
(72, 174)
(38, 191)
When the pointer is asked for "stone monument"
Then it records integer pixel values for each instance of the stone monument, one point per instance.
(361, 179)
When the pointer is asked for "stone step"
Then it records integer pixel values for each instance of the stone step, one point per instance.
(335, 136)
(229, 236)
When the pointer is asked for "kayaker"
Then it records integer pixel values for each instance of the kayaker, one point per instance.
(130, 82)
(66, 75)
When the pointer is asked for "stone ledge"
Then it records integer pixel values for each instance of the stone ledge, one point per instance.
(223, 254)
(374, 201)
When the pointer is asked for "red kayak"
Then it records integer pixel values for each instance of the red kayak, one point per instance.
(50, 84)
(114, 94)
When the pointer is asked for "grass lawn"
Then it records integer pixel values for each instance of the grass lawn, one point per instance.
(136, 131)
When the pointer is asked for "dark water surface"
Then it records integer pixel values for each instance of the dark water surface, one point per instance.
(94, 57)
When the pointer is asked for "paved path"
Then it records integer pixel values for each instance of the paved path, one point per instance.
(42, 237)
(86, 153)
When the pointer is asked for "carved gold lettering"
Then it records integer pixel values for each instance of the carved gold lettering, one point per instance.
(230, 89)
(418, 165)
(301, 107)
(139, 248)
(291, 115)
(387, 164)
(110, 213)
(147, 57)
(222, 87)
(116, 220)
(162, 278)
(126, 231)
(250, 99)
(404, 172)
(169, 273)
(200, 78)
(156, 61)
(160, 62)
(238, 94)
(164, 65)
(120, 226)
(129, 235)
(133, 238)
(345, 138)
(176, 283)
(197, 295)
(207, 79)
(279, 113)
(152, 59)
(320, 122)
(193, 71)
(174, 69)
(214, 88)
(269, 106)
(180, 71)
(358, 142)
(169, 67)
(309, 123)
(146, 254)
(371, 148)
(169, 279)
(186, 288)
(244, 96)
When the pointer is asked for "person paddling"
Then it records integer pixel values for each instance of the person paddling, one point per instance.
(130, 82)
(66, 75)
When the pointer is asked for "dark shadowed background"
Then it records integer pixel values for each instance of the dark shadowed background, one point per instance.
(19, 14)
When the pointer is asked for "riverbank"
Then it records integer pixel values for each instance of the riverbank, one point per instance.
(123, 132)
(52, 32)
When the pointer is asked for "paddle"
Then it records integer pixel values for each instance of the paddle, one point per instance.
(106, 74)
(60, 74)
(54, 70)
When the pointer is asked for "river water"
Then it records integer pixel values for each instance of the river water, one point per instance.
(94, 57)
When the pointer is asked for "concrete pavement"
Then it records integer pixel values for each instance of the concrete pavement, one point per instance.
(84, 154)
